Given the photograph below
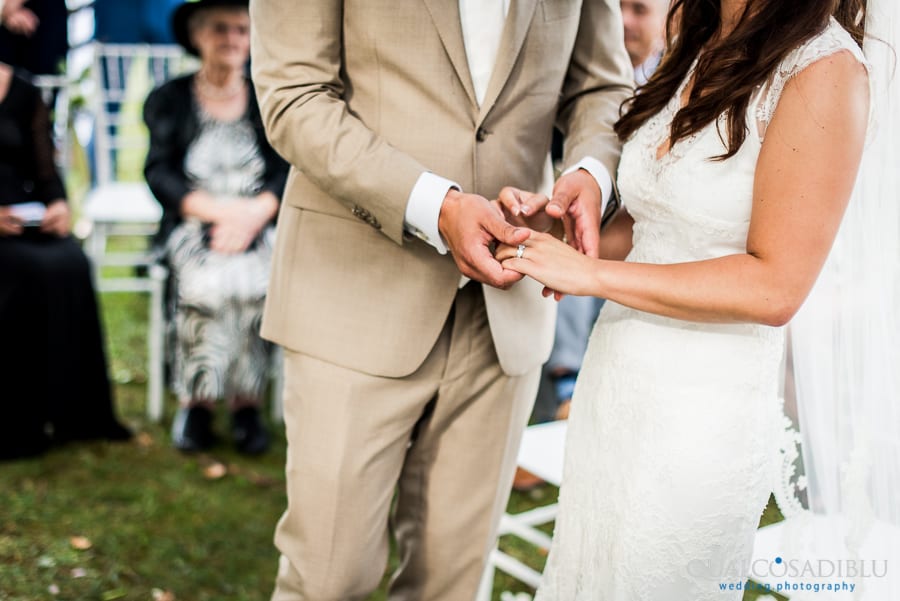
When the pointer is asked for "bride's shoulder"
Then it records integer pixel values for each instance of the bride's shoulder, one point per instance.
(828, 65)
(832, 42)
(827, 90)
(830, 62)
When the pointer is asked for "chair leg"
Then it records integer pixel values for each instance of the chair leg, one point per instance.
(96, 248)
(156, 345)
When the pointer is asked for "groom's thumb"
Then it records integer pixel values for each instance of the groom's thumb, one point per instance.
(559, 203)
(564, 194)
(506, 233)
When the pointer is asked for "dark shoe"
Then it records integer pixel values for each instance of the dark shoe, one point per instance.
(250, 435)
(192, 429)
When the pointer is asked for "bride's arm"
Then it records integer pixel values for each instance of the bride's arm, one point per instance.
(804, 177)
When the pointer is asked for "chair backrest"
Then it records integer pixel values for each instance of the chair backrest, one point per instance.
(55, 93)
(123, 75)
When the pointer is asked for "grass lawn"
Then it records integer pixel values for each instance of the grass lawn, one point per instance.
(139, 521)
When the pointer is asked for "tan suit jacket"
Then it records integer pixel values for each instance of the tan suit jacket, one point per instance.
(361, 97)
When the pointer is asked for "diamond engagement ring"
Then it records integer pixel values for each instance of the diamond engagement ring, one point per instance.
(520, 251)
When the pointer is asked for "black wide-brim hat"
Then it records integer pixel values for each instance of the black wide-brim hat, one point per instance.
(182, 15)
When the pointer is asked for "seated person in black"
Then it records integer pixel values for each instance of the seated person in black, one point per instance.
(53, 372)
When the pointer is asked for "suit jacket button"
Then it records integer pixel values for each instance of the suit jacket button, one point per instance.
(481, 134)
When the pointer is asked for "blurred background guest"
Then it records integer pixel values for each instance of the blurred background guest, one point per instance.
(52, 362)
(34, 35)
(219, 183)
(645, 31)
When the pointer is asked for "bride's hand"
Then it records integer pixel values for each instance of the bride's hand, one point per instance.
(555, 264)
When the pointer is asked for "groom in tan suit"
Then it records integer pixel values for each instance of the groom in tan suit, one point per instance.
(411, 370)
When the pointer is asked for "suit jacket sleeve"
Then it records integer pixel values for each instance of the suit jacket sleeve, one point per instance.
(599, 80)
(296, 50)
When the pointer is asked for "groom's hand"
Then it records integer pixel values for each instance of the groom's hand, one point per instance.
(471, 227)
(576, 200)
(526, 209)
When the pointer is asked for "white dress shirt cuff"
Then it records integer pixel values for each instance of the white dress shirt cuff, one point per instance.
(424, 208)
(600, 173)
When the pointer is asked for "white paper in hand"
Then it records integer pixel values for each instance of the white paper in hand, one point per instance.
(31, 213)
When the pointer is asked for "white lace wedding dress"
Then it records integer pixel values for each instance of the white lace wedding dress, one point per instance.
(673, 436)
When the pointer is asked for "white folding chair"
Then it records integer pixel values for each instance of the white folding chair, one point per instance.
(541, 453)
(121, 203)
(55, 93)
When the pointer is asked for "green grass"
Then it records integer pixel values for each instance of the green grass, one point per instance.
(155, 522)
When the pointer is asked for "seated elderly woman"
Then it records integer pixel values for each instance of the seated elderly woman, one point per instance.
(52, 365)
(219, 183)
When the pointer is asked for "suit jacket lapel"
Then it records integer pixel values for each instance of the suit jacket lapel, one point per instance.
(517, 23)
(445, 14)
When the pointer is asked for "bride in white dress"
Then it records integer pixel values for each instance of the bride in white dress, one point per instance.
(671, 448)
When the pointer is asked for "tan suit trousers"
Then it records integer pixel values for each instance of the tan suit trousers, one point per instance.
(444, 439)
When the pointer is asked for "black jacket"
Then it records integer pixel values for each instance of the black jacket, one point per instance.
(170, 116)
(27, 170)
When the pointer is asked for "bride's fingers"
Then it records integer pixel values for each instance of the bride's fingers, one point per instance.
(514, 264)
(547, 291)
(535, 243)
(504, 252)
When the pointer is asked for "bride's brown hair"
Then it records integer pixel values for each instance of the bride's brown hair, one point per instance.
(727, 75)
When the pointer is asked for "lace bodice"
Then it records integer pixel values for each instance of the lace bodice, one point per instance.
(687, 207)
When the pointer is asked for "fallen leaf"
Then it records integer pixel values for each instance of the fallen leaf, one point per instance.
(161, 595)
(253, 477)
(214, 471)
(82, 543)
(144, 440)
(261, 480)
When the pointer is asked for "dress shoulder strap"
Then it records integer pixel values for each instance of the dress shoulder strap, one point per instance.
(833, 39)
